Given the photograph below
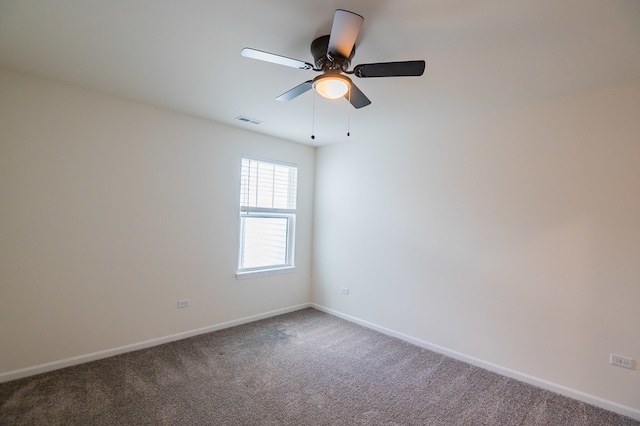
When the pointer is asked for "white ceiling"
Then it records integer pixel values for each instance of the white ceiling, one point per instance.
(185, 55)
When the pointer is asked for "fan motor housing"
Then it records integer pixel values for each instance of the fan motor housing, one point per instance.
(325, 61)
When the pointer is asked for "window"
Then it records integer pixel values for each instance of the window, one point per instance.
(268, 194)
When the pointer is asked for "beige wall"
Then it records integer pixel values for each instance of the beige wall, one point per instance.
(111, 211)
(511, 237)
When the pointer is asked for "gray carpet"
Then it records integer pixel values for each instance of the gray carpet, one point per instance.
(302, 368)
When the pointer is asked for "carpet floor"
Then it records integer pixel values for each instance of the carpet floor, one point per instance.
(301, 368)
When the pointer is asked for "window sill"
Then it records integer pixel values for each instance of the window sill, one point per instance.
(264, 272)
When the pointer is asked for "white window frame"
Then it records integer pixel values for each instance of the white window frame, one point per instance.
(250, 211)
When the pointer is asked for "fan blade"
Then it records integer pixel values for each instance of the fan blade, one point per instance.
(276, 59)
(390, 69)
(296, 91)
(344, 32)
(356, 97)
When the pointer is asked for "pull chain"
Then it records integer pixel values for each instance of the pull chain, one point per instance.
(349, 114)
(313, 117)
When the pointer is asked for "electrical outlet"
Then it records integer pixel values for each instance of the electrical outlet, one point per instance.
(621, 361)
(184, 303)
(344, 290)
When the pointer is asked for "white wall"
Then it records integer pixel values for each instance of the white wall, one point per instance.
(511, 237)
(111, 211)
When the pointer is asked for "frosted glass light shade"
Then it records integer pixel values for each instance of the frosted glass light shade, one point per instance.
(331, 87)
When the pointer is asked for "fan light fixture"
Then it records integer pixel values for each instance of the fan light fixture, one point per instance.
(332, 87)
(332, 54)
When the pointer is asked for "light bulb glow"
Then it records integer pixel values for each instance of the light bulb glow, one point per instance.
(331, 87)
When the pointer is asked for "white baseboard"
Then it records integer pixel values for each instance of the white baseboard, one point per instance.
(535, 381)
(68, 362)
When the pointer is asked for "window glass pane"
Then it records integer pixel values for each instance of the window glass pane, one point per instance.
(264, 241)
(267, 216)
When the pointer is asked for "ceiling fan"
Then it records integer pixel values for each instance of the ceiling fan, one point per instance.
(332, 55)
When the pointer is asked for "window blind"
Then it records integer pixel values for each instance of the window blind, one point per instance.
(268, 186)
